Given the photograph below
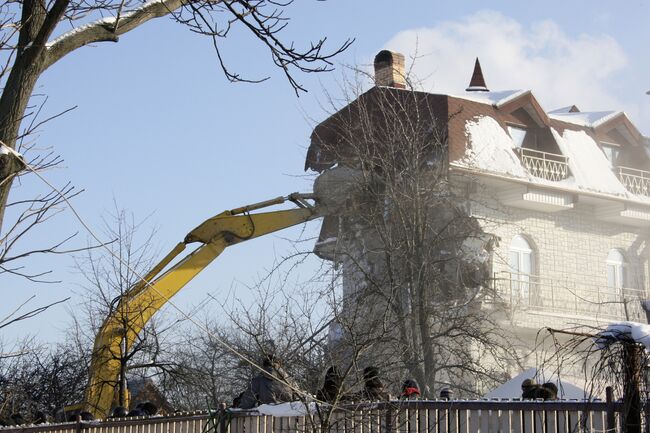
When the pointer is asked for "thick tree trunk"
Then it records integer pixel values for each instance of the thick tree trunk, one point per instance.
(33, 56)
(19, 87)
(13, 103)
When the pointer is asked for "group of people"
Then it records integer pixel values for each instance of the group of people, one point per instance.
(141, 409)
(531, 390)
(272, 386)
(373, 387)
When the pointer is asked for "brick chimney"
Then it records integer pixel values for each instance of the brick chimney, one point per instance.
(389, 69)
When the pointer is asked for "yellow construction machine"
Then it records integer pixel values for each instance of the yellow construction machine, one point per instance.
(157, 287)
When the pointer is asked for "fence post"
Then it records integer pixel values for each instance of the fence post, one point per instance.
(609, 398)
(222, 418)
(632, 356)
(78, 426)
(390, 419)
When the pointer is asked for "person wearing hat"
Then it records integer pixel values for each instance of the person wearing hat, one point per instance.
(529, 389)
(410, 390)
(373, 389)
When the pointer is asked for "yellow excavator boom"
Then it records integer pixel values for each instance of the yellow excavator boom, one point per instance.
(144, 299)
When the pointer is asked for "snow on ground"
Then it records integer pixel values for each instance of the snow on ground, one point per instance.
(588, 164)
(490, 148)
(624, 331)
(294, 408)
(493, 98)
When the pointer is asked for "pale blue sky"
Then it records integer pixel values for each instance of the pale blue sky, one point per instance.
(160, 130)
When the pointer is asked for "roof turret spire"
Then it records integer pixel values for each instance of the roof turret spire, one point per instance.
(477, 83)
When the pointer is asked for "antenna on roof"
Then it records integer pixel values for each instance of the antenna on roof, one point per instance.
(477, 83)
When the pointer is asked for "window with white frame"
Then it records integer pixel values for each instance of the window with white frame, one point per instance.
(616, 270)
(521, 262)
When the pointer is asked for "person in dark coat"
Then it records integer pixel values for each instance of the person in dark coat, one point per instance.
(86, 416)
(446, 393)
(136, 412)
(553, 388)
(265, 388)
(148, 408)
(410, 390)
(529, 389)
(119, 412)
(17, 419)
(331, 390)
(547, 391)
(236, 402)
(373, 389)
(39, 417)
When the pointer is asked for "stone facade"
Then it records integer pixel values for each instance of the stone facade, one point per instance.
(570, 250)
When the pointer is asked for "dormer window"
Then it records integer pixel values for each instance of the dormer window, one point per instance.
(611, 152)
(517, 134)
(522, 137)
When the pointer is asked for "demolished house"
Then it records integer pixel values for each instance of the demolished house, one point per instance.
(534, 219)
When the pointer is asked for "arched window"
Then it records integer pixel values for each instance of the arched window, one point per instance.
(616, 270)
(521, 261)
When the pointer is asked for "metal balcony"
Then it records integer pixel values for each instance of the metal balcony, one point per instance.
(634, 180)
(549, 166)
(568, 297)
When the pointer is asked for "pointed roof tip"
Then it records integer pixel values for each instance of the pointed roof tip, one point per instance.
(477, 83)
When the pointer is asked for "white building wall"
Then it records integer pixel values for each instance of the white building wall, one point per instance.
(571, 249)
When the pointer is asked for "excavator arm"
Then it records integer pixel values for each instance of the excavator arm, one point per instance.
(135, 308)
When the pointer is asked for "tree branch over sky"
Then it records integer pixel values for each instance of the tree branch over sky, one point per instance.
(35, 34)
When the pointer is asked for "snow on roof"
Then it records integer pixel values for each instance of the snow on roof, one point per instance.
(588, 164)
(489, 148)
(512, 388)
(493, 98)
(624, 331)
(560, 110)
(591, 119)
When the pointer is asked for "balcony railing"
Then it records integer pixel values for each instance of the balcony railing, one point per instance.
(571, 296)
(549, 166)
(634, 180)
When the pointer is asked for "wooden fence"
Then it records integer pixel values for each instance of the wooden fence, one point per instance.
(389, 417)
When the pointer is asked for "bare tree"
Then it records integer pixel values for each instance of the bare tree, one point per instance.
(214, 363)
(283, 319)
(108, 277)
(36, 34)
(30, 213)
(414, 262)
(42, 380)
(20, 313)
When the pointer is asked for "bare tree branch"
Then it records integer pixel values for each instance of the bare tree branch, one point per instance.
(29, 314)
